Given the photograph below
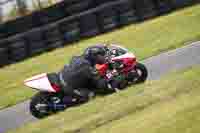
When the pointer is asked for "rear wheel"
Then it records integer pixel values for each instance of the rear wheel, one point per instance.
(142, 72)
(39, 105)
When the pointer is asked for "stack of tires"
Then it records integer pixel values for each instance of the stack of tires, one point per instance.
(182, 3)
(49, 15)
(70, 29)
(3, 54)
(72, 7)
(163, 6)
(35, 41)
(17, 48)
(52, 37)
(71, 20)
(88, 24)
(145, 9)
(107, 17)
(126, 12)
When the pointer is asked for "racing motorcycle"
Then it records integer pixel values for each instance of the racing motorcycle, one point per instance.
(123, 65)
(50, 98)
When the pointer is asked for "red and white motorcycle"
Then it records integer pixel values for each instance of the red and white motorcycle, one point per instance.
(51, 99)
(123, 65)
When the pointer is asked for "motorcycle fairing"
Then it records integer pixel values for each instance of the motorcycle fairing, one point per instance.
(124, 56)
(40, 82)
(119, 47)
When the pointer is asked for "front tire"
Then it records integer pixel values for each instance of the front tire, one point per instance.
(142, 72)
(40, 99)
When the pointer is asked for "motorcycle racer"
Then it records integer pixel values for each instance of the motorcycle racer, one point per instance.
(101, 68)
(80, 76)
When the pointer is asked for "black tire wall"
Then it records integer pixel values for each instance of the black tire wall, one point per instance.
(72, 20)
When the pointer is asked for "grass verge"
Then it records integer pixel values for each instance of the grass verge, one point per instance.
(170, 104)
(146, 39)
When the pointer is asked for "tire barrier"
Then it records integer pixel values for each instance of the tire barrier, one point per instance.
(182, 3)
(145, 9)
(35, 41)
(4, 56)
(88, 25)
(107, 17)
(76, 6)
(17, 49)
(126, 12)
(163, 6)
(54, 30)
(49, 15)
(52, 37)
(19, 25)
(70, 29)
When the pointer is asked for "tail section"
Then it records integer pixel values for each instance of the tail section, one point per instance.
(41, 82)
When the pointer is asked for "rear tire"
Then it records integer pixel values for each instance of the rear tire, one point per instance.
(39, 98)
(142, 72)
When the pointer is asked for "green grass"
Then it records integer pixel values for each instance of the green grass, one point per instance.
(145, 40)
(171, 104)
(177, 113)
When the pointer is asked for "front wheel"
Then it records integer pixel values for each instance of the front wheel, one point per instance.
(142, 72)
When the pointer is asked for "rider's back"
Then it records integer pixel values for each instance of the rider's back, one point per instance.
(78, 73)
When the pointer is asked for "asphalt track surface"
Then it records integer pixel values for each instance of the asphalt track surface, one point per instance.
(158, 66)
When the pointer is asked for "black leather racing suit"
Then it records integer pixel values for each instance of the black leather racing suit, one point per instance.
(80, 75)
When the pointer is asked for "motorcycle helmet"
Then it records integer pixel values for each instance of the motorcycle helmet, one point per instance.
(95, 54)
